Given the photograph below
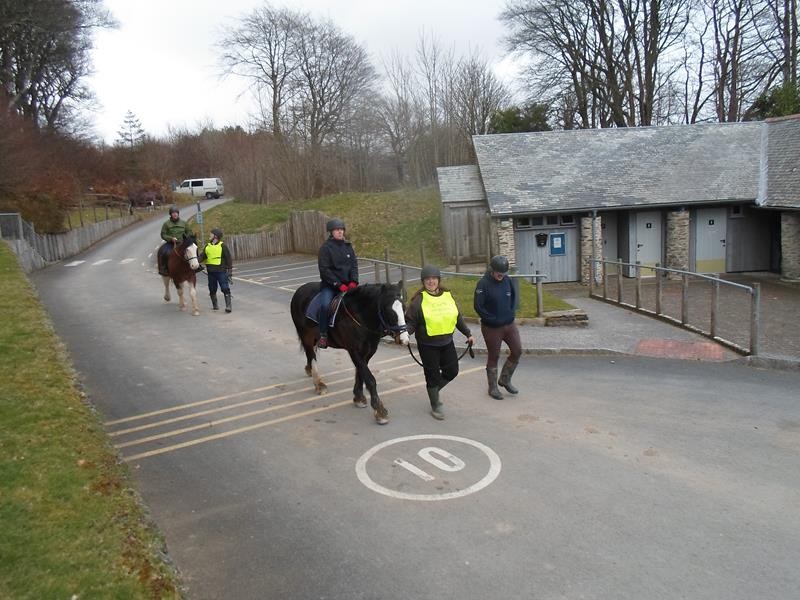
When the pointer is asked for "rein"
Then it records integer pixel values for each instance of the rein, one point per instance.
(467, 349)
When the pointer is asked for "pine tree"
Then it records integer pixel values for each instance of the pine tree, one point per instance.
(131, 134)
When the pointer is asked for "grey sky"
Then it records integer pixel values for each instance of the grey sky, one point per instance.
(162, 61)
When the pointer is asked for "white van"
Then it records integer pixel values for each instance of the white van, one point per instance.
(210, 187)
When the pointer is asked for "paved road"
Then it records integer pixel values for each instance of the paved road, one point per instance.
(607, 477)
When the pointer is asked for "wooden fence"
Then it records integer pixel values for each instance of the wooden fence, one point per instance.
(304, 232)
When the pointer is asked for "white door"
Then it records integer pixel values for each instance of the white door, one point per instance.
(647, 249)
(710, 235)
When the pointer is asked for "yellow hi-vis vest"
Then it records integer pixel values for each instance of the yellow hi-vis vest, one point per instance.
(440, 312)
(213, 254)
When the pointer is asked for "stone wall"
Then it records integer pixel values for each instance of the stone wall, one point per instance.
(677, 255)
(504, 229)
(790, 245)
(586, 249)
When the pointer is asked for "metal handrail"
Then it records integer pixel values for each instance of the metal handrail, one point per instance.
(753, 291)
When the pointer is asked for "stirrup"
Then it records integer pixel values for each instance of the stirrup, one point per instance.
(323, 342)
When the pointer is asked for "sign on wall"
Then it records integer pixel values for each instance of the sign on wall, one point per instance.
(558, 245)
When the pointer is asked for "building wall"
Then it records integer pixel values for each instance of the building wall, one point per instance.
(506, 245)
(586, 248)
(790, 245)
(677, 243)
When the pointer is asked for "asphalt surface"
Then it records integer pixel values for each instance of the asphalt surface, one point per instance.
(611, 475)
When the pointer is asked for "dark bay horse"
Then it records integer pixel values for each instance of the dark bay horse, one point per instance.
(183, 265)
(367, 313)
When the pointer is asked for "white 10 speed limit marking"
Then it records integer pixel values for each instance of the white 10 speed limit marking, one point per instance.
(437, 458)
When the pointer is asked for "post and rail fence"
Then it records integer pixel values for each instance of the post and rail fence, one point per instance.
(671, 301)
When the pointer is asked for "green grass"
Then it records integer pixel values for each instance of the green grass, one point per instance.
(71, 524)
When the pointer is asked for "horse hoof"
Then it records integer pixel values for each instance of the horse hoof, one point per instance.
(321, 389)
(360, 402)
(381, 419)
(167, 298)
(196, 313)
(308, 371)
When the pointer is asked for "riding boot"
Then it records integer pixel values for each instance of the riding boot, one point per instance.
(505, 376)
(436, 405)
(214, 303)
(491, 376)
(228, 302)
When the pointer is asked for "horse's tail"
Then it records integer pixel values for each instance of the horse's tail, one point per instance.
(300, 300)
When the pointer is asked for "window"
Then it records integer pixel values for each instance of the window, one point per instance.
(523, 222)
(567, 220)
(197, 183)
(552, 219)
(735, 211)
(185, 184)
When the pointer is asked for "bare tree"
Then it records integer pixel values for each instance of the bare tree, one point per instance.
(476, 95)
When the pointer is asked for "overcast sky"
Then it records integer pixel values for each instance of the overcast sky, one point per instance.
(162, 62)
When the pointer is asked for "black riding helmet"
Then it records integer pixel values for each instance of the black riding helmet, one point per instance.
(335, 224)
(429, 271)
(499, 264)
(217, 233)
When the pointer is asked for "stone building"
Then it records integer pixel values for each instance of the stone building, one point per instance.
(711, 198)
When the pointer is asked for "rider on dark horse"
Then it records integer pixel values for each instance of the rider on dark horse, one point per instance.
(338, 269)
(172, 231)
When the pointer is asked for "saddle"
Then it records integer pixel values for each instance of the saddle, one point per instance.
(312, 311)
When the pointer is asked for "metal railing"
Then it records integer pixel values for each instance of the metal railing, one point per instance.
(391, 270)
(699, 312)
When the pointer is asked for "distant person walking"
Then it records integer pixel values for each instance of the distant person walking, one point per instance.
(433, 316)
(496, 303)
(219, 266)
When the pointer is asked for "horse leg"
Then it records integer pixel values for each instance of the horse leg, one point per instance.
(308, 341)
(358, 392)
(181, 300)
(381, 414)
(193, 296)
(167, 281)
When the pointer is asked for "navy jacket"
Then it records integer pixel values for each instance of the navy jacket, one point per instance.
(495, 301)
(337, 262)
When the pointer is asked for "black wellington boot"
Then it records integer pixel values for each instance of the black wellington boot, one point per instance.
(491, 376)
(436, 405)
(214, 303)
(228, 303)
(505, 377)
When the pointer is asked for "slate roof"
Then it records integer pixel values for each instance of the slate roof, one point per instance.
(780, 181)
(558, 171)
(460, 184)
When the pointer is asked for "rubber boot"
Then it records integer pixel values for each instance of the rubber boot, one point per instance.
(491, 376)
(436, 405)
(228, 302)
(214, 303)
(505, 377)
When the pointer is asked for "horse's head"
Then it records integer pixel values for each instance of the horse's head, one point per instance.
(188, 250)
(392, 312)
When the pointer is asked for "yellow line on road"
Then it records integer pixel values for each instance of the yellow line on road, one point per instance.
(233, 432)
(234, 395)
(236, 405)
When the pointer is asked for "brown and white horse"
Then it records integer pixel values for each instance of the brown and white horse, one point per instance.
(183, 265)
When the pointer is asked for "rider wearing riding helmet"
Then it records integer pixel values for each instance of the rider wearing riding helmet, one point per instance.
(433, 317)
(172, 232)
(219, 263)
(338, 269)
(496, 303)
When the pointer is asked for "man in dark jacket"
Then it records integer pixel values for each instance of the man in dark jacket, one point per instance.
(338, 269)
(496, 304)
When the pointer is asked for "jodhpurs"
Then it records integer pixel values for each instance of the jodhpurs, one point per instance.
(326, 294)
(218, 278)
(440, 364)
(494, 336)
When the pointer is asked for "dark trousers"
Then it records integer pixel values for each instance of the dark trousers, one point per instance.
(218, 278)
(326, 294)
(495, 336)
(440, 364)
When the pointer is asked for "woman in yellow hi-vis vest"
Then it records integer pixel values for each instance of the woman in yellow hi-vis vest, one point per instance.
(219, 266)
(433, 317)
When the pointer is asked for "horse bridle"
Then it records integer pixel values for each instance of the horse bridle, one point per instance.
(393, 330)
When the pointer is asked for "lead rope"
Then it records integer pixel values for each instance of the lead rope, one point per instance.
(467, 349)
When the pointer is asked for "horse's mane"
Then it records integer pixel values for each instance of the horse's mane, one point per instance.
(369, 293)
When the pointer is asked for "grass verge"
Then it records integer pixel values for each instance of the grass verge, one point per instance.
(72, 527)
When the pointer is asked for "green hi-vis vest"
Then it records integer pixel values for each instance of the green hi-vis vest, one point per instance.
(440, 312)
(213, 254)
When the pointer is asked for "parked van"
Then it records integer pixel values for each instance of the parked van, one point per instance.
(210, 187)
